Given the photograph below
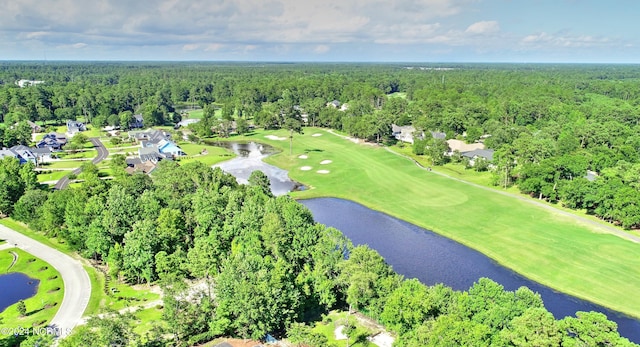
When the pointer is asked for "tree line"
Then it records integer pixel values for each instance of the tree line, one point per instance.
(549, 124)
(263, 266)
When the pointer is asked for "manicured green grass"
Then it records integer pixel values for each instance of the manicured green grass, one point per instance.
(84, 154)
(334, 320)
(99, 301)
(52, 176)
(214, 154)
(43, 306)
(545, 246)
(65, 164)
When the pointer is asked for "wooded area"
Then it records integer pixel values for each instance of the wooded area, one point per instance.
(264, 267)
(549, 124)
(265, 264)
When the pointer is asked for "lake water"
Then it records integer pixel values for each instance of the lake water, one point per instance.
(14, 287)
(412, 251)
(418, 253)
(249, 159)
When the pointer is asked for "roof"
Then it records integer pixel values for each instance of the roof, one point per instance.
(402, 129)
(483, 153)
(150, 153)
(44, 150)
(461, 146)
(438, 135)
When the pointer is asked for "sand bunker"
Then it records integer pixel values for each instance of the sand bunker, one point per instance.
(325, 162)
(323, 171)
(316, 135)
(304, 156)
(276, 138)
(339, 334)
(306, 168)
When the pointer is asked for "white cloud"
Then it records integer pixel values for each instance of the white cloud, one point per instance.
(196, 22)
(321, 49)
(542, 40)
(483, 27)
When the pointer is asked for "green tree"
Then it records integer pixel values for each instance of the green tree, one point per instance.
(21, 308)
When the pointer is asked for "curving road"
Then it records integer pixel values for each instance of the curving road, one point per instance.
(102, 155)
(77, 285)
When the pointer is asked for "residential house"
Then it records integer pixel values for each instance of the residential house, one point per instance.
(146, 167)
(169, 148)
(10, 153)
(486, 154)
(148, 135)
(26, 154)
(53, 141)
(43, 155)
(150, 154)
(155, 145)
(74, 127)
(138, 122)
(462, 147)
(334, 104)
(403, 133)
(27, 83)
(438, 135)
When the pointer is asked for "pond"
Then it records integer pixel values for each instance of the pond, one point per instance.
(14, 287)
(412, 251)
(249, 159)
(418, 253)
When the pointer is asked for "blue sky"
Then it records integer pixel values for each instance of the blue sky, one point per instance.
(583, 31)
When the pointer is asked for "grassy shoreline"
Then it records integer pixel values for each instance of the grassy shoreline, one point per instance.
(41, 307)
(544, 246)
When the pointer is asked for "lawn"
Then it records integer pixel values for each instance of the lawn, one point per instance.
(52, 175)
(126, 295)
(328, 326)
(213, 154)
(43, 306)
(545, 246)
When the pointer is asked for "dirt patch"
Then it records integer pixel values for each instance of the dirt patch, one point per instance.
(325, 162)
(306, 168)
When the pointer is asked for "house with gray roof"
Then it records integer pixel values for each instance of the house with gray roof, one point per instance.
(486, 154)
(74, 127)
(53, 141)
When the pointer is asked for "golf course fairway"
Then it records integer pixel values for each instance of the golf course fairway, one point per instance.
(547, 247)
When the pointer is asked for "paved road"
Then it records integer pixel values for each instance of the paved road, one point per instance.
(102, 155)
(77, 285)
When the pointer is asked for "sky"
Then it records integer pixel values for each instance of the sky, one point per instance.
(564, 31)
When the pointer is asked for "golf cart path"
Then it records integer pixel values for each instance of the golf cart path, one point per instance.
(609, 229)
(77, 285)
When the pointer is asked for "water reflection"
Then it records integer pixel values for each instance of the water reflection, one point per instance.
(249, 158)
(418, 253)
(14, 287)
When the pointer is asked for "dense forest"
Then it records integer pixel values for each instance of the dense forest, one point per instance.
(548, 124)
(267, 268)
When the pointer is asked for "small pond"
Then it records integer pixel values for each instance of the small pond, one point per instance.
(249, 159)
(418, 253)
(412, 251)
(14, 287)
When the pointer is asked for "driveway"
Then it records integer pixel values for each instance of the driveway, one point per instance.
(102, 155)
(77, 285)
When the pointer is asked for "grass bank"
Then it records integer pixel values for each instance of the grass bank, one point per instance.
(43, 306)
(544, 246)
(102, 298)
